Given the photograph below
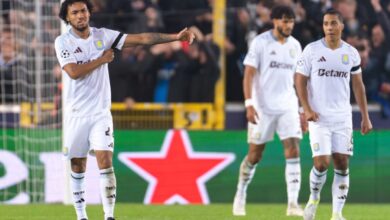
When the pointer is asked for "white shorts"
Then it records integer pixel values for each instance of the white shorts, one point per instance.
(328, 138)
(83, 135)
(287, 125)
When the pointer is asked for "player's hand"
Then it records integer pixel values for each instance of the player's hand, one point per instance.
(186, 35)
(252, 115)
(310, 115)
(304, 123)
(366, 126)
(108, 56)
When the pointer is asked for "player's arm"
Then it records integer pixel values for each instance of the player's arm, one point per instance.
(157, 38)
(76, 71)
(251, 113)
(301, 89)
(360, 97)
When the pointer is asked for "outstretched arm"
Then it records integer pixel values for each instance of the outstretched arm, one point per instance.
(158, 38)
(360, 96)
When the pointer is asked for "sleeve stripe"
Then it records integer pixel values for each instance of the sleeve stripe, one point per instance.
(116, 41)
(355, 68)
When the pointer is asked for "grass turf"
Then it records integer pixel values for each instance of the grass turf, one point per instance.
(189, 212)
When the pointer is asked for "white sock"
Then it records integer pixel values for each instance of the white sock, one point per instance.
(317, 181)
(247, 170)
(78, 191)
(340, 188)
(108, 191)
(293, 179)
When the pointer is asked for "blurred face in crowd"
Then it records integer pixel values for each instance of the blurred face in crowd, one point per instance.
(7, 45)
(78, 16)
(377, 36)
(333, 27)
(284, 26)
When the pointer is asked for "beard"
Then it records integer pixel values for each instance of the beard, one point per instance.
(285, 35)
(79, 28)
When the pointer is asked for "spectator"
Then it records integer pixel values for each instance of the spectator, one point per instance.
(8, 67)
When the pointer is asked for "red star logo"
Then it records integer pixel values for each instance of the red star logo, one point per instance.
(176, 174)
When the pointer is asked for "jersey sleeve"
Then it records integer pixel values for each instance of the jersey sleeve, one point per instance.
(253, 56)
(111, 35)
(303, 63)
(63, 52)
(356, 60)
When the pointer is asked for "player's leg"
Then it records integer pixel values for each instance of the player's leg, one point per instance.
(258, 135)
(320, 141)
(102, 142)
(76, 149)
(292, 176)
(77, 176)
(246, 173)
(340, 184)
(342, 149)
(289, 131)
(107, 182)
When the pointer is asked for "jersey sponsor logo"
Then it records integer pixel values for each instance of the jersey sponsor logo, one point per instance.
(345, 59)
(278, 65)
(78, 50)
(332, 73)
(65, 54)
(83, 62)
(322, 59)
(99, 44)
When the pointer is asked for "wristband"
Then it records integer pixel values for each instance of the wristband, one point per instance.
(248, 102)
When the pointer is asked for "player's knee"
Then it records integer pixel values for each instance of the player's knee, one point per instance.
(321, 165)
(255, 158)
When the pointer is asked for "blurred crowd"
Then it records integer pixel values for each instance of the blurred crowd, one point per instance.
(178, 72)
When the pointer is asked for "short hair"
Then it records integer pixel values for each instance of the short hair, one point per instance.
(64, 8)
(280, 11)
(333, 11)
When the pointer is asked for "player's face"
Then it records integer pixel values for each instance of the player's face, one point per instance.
(333, 27)
(78, 16)
(284, 26)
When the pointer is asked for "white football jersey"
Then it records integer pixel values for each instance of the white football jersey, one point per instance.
(329, 72)
(273, 84)
(91, 94)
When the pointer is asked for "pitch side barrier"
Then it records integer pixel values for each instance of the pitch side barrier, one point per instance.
(185, 167)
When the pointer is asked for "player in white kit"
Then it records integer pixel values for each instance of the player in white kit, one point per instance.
(272, 105)
(84, 53)
(322, 81)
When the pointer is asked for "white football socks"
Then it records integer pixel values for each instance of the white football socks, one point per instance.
(317, 181)
(293, 179)
(78, 191)
(247, 171)
(108, 191)
(340, 188)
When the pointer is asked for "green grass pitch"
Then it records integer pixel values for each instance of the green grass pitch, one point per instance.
(188, 212)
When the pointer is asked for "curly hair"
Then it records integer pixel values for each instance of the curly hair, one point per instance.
(64, 8)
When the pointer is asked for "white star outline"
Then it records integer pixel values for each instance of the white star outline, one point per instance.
(227, 158)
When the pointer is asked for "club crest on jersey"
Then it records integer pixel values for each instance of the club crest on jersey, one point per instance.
(99, 44)
(292, 53)
(345, 59)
